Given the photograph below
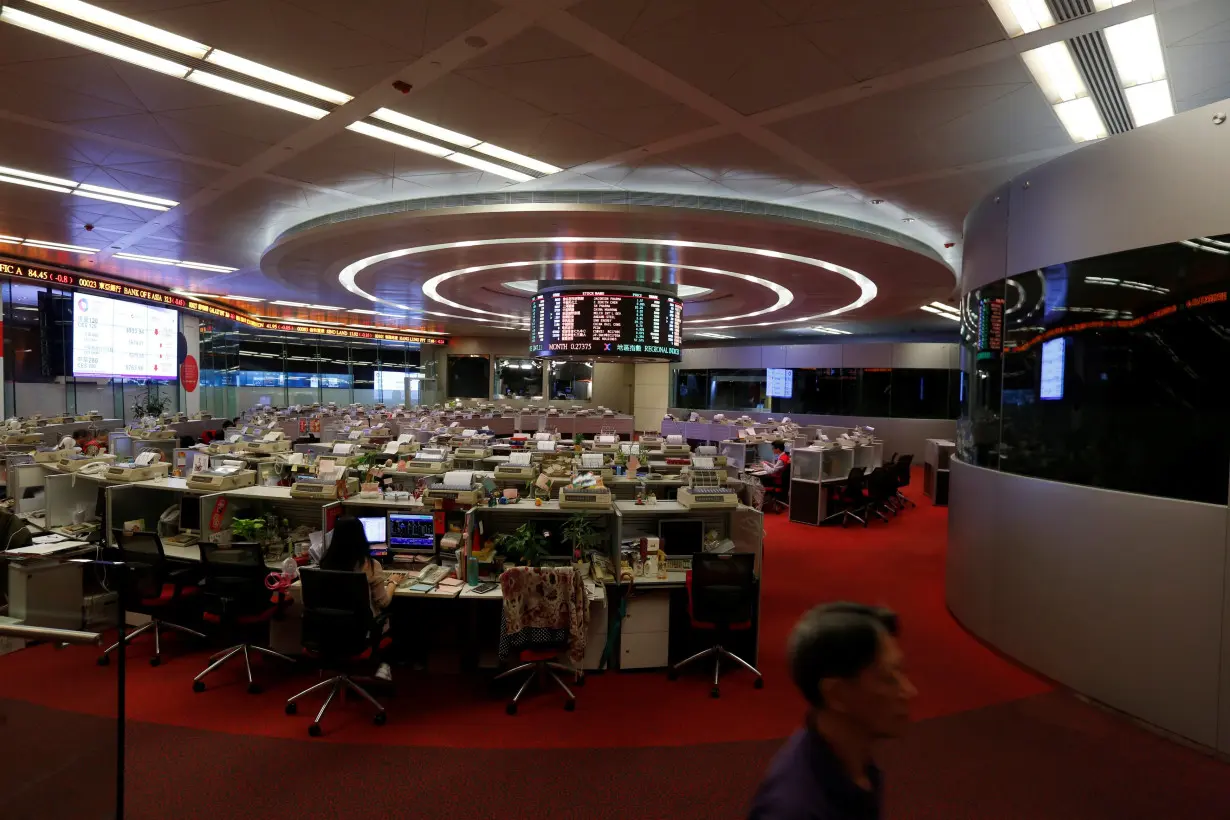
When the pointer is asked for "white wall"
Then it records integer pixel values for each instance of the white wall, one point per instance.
(651, 395)
(190, 326)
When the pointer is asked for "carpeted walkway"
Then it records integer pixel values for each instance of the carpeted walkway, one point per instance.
(991, 741)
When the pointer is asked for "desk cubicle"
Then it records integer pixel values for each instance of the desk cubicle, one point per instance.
(814, 473)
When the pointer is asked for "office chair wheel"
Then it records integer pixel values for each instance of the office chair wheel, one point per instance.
(580, 681)
(292, 708)
(314, 730)
(759, 684)
(715, 692)
(254, 689)
(104, 660)
(380, 718)
(511, 708)
(672, 674)
(570, 705)
(198, 686)
(843, 523)
(155, 661)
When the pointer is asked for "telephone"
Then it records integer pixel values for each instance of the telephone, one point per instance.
(432, 575)
(98, 469)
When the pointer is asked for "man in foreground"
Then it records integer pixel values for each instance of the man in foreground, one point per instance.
(845, 660)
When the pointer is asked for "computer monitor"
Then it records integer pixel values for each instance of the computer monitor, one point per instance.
(681, 537)
(374, 528)
(190, 513)
(412, 532)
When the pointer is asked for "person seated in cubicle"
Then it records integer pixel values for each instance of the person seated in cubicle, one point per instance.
(85, 441)
(781, 460)
(349, 551)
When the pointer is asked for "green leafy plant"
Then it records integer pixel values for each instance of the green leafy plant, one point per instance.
(150, 401)
(523, 545)
(248, 529)
(579, 530)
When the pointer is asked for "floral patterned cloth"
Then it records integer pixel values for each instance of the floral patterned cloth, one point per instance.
(544, 606)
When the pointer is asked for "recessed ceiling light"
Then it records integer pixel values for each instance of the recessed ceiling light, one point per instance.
(59, 246)
(1149, 102)
(179, 263)
(30, 183)
(908, 219)
(1081, 120)
(831, 331)
(235, 298)
(16, 176)
(126, 26)
(708, 335)
(948, 308)
(205, 266)
(424, 128)
(490, 167)
(516, 159)
(257, 95)
(1136, 50)
(1022, 16)
(954, 317)
(285, 303)
(1056, 73)
(275, 77)
(405, 141)
(161, 260)
(324, 307)
(153, 200)
(876, 201)
(90, 42)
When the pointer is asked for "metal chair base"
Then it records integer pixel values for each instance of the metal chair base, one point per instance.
(540, 671)
(219, 659)
(156, 626)
(338, 683)
(718, 652)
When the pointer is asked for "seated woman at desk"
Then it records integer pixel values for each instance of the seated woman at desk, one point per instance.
(349, 551)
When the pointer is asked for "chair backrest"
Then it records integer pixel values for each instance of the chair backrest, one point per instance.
(855, 482)
(903, 469)
(723, 587)
(784, 475)
(337, 612)
(234, 579)
(881, 484)
(532, 598)
(145, 562)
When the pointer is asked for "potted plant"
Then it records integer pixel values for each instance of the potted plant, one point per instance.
(621, 461)
(150, 401)
(580, 532)
(523, 545)
(578, 442)
(248, 529)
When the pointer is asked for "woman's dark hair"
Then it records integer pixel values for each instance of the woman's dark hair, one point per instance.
(779, 445)
(837, 640)
(349, 550)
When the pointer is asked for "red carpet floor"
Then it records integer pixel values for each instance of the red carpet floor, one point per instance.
(991, 741)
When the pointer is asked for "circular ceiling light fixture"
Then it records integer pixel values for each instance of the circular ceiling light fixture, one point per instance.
(530, 286)
(866, 287)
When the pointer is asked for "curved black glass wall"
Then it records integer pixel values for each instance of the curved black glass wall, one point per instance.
(1107, 372)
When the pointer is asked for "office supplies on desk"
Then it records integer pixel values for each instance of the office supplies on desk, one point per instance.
(472, 453)
(675, 447)
(221, 479)
(142, 469)
(456, 485)
(74, 462)
(270, 443)
(584, 498)
(705, 490)
(321, 488)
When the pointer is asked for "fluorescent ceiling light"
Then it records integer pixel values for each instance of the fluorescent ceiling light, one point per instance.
(1149, 102)
(490, 167)
(59, 246)
(16, 172)
(531, 285)
(1055, 71)
(324, 307)
(235, 298)
(832, 331)
(126, 26)
(285, 303)
(425, 128)
(714, 335)
(30, 183)
(180, 263)
(205, 266)
(1022, 16)
(162, 260)
(275, 77)
(10, 240)
(398, 138)
(153, 200)
(1081, 119)
(256, 95)
(1136, 50)
(943, 313)
(948, 308)
(515, 158)
(90, 42)
(121, 200)
(1103, 5)
(1208, 248)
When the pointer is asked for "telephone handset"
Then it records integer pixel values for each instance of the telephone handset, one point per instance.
(95, 468)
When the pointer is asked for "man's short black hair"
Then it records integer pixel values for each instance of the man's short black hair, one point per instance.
(837, 640)
(779, 445)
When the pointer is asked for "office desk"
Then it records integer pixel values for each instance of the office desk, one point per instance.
(935, 469)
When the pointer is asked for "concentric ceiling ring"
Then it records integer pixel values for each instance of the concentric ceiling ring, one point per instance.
(867, 288)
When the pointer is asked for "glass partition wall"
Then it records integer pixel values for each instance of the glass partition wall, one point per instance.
(242, 367)
(1107, 372)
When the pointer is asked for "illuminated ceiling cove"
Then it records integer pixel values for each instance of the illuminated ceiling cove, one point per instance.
(794, 167)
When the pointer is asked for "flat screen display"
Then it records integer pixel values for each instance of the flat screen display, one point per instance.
(781, 383)
(374, 529)
(641, 324)
(1051, 386)
(116, 339)
(409, 531)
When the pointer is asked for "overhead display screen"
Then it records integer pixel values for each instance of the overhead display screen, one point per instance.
(1051, 384)
(606, 323)
(116, 339)
(780, 383)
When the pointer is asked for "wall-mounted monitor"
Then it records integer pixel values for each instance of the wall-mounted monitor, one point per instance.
(780, 383)
(1051, 383)
(606, 322)
(118, 339)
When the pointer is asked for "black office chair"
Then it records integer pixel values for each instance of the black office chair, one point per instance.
(236, 601)
(721, 598)
(902, 474)
(778, 494)
(155, 587)
(881, 491)
(339, 629)
(853, 498)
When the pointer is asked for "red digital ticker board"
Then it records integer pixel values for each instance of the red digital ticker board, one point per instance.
(67, 279)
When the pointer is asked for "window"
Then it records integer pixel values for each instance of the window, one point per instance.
(518, 378)
(469, 377)
(571, 380)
